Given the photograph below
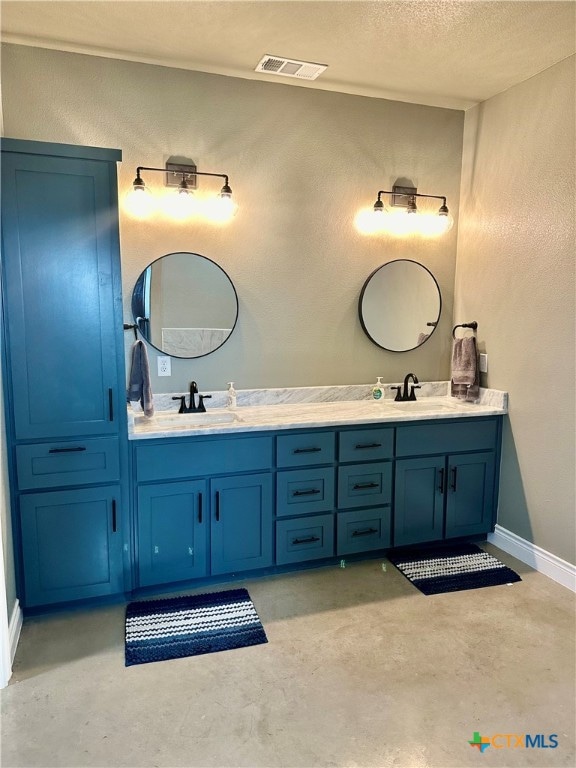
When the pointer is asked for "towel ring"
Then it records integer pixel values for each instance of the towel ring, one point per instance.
(473, 326)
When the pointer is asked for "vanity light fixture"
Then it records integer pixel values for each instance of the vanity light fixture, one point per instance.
(183, 203)
(407, 219)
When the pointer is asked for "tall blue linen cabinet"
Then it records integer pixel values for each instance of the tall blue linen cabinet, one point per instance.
(64, 380)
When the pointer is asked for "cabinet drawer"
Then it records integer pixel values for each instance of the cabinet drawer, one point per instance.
(363, 485)
(305, 449)
(366, 444)
(362, 531)
(466, 435)
(304, 491)
(48, 465)
(196, 458)
(305, 539)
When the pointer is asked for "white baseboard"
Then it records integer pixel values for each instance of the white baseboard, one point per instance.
(14, 628)
(542, 561)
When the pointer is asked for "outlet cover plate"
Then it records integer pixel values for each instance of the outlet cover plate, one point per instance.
(164, 365)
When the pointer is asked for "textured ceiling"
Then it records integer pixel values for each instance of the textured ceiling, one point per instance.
(449, 53)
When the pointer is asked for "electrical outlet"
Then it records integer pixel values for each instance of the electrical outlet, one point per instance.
(483, 363)
(164, 366)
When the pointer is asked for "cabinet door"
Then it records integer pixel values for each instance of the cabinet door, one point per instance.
(172, 526)
(61, 275)
(72, 544)
(470, 493)
(419, 500)
(241, 523)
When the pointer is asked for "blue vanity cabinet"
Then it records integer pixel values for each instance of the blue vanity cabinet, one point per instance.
(419, 500)
(72, 544)
(204, 506)
(363, 522)
(172, 527)
(305, 496)
(469, 494)
(241, 525)
(448, 489)
(62, 289)
(64, 379)
(231, 503)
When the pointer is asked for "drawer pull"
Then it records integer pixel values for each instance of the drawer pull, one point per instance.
(114, 521)
(67, 450)
(306, 450)
(309, 492)
(309, 540)
(363, 486)
(365, 532)
(363, 446)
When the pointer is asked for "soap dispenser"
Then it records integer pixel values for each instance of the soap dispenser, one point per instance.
(378, 390)
(231, 399)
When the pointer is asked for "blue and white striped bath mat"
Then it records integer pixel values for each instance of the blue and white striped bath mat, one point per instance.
(452, 568)
(174, 627)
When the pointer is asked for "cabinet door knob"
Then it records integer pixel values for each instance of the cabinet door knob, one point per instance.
(217, 505)
(200, 508)
(114, 521)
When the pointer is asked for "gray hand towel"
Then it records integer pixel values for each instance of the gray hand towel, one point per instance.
(139, 388)
(465, 380)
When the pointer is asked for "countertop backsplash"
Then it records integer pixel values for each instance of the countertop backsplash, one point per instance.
(326, 394)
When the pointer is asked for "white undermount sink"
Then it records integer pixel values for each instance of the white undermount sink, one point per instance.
(175, 420)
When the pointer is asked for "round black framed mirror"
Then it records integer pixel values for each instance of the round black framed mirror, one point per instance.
(400, 305)
(185, 305)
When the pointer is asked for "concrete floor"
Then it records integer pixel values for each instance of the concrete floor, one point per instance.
(360, 670)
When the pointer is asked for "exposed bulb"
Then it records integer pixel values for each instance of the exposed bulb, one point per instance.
(181, 205)
(402, 222)
(369, 221)
(221, 209)
(139, 202)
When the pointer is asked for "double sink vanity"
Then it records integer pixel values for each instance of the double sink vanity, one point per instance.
(106, 503)
(300, 476)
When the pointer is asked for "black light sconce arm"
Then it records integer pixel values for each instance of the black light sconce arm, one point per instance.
(138, 179)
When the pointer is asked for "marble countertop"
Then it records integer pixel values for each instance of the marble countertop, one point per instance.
(321, 413)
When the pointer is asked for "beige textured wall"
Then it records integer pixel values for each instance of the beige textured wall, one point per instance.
(515, 276)
(301, 162)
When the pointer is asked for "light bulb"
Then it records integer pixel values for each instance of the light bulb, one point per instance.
(369, 221)
(181, 205)
(220, 209)
(139, 203)
(401, 222)
(447, 221)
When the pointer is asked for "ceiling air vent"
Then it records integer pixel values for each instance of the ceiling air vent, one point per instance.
(277, 65)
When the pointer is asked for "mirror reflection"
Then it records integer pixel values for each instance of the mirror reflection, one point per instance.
(185, 305)
(400, 305)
